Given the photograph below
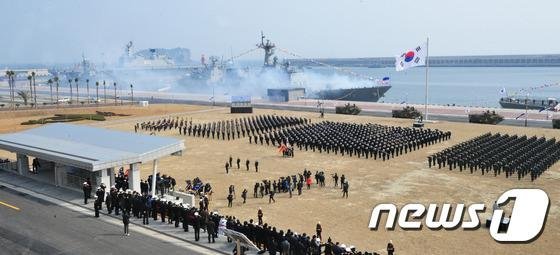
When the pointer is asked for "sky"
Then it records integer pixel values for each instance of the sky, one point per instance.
(47, 31)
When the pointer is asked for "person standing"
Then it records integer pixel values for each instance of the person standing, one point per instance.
(319, 229)
(97, 206)
(230, 161)
(256, 166)
(271, 197)
(244, 195)
(86, 189)
(345, 187)
(230, 200)
(100, 193)
(390, 248)
(232, 190)
(260, 216)
(126, 221)
(290, 187)
(238, 161)
(227, 168)
(210, 229)
(247, 164)
(256, 190)
(196, 226)
(147, 201)
(35, 165)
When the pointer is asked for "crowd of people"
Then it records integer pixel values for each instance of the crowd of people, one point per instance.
(164, 184)
(289, 184)
(512, 154)
(131, 204)
(269, 238)
(361, 140)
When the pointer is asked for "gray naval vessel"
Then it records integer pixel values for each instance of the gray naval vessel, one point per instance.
(296, 79)
(172, 69)
(366, 94)
(530, 103)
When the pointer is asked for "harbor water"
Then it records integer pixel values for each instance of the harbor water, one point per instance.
(465, 86)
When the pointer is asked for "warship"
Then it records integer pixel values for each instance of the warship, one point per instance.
(172, 69)
(529, 103)
(366, 94)
(296, 79)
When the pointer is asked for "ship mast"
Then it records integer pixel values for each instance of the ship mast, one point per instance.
(268, 48)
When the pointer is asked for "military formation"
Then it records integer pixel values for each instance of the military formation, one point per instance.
(162, 124)
(231, 129)
(513, 155)
(361, 140)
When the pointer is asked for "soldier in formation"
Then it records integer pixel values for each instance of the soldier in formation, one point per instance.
(361, 140)
(253, 127)
(513, 155)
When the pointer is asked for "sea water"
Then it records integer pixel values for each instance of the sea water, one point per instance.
(465, 86)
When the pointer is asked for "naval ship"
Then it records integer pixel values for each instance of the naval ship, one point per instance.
(528, 103)
(366, 94)
(172, 69)
(297, 79)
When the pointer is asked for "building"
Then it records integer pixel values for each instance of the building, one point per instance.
(70, 154)
(286, 94)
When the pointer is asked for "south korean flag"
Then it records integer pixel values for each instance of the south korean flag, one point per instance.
(412, 58)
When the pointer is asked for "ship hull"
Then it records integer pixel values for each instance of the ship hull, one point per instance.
(532, 104)
(367, 94)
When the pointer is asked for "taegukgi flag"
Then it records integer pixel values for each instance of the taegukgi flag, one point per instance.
(412, 58)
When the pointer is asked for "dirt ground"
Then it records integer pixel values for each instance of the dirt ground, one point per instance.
(402, 180)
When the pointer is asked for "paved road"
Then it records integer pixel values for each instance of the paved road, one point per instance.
(513, 117)
(29, 225)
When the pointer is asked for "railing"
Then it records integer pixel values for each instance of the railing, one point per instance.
(76, 181)
(8, 166)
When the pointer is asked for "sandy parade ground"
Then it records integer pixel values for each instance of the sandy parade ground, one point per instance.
(404, 179)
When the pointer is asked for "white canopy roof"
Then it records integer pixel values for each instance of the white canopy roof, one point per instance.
(89, 147)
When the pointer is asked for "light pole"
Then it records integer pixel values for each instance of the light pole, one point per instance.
(96, 92)
(77, 92)
(132, 93)
(87, 88)
(526, 108)
(50, 82)
(56, 80)
(71, 90)
(34, 89)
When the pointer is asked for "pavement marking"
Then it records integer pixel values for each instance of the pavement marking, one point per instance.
(9, 206)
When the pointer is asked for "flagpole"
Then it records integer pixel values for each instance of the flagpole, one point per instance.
(427, 67)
